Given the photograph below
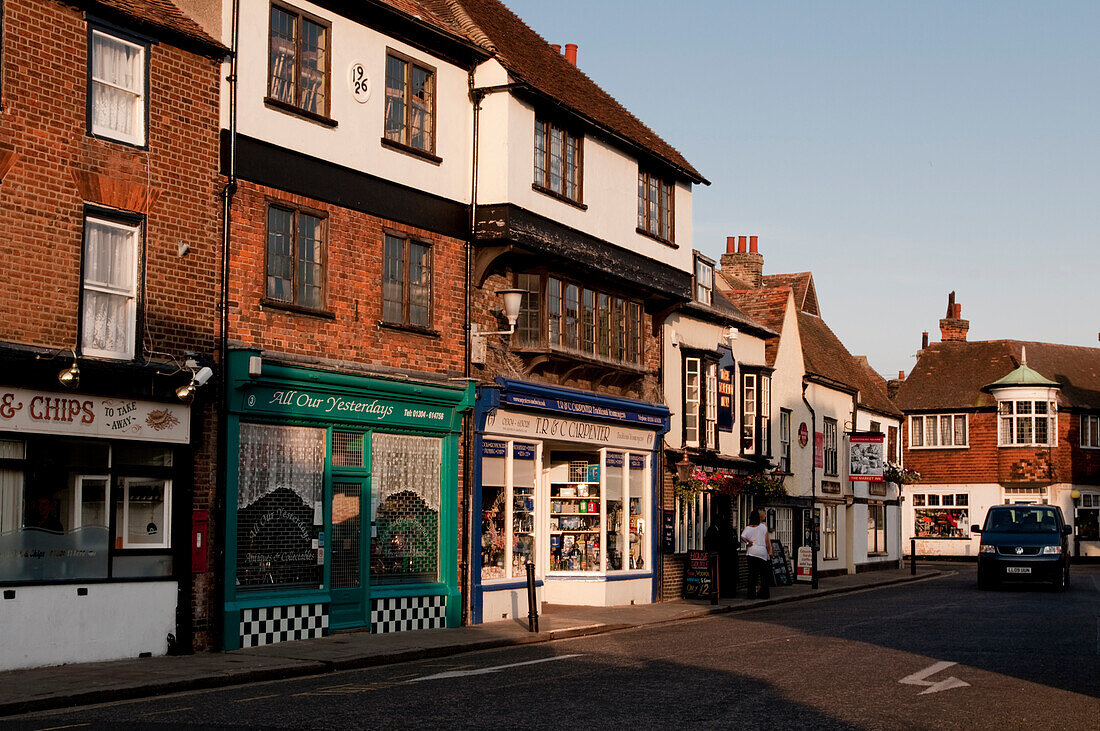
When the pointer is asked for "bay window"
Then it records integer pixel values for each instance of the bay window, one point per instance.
(109, 298)
(748, 413)
(700, 403)
(1026, 423)
(692, 521)
(704, 281)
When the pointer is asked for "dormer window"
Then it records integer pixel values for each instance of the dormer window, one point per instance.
(704, 281)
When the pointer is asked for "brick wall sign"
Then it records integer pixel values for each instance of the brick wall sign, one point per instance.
(43, 412)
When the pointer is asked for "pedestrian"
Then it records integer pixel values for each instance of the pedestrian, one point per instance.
(759, 553)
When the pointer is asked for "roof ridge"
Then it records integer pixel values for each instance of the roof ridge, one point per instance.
(462, 19)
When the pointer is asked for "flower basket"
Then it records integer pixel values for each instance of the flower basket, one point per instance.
(899, 475)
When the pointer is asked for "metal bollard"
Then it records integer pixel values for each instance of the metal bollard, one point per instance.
(532, 606)
(913, 556)
(712, 561)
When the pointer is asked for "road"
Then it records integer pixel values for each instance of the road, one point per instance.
(932, 654)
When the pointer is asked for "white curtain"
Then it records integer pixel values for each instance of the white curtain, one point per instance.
(11, 499)
(109, 253)
(117, 85)
(402, 463)
(271, 457)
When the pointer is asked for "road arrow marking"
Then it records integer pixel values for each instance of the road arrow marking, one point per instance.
(918, 678)
(484, 671)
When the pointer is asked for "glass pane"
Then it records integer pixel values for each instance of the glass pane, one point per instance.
(405, 503)
(419, 284)
(310, 267)
(281, 62)
(616, 533)
(524, 510)
(117, 86)
(347, 449)
(930, 431)
(553, 303)
(314, 51)
(493, 494)
(945, 431)
(1023, 407)
(93, 501)
(146, 513)
(346, 531)
(641, 201)
(540, 152)
(1006, 430)
(1041, 429)
(960, 430)
(395, 99)
(109, 252)
(420, 109)
(588, 340)
(603, 314)
(528, 325)
(107, 323)
(393, 284)
(572, 305)
(638, 489)
(280, 262)
(1023, 430)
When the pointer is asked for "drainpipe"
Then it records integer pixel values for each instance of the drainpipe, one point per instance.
(230, 188)
(813, 486)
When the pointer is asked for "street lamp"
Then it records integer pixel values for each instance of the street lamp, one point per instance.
(683, 468)
(513, 298)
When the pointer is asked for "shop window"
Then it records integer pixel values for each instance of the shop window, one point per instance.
(410, 103)
(405, 503)
(828, 533)
(692, 521)
(639, 509)
(508, 499)
(1088, 517)
(918, 500)
(406, 282)
(109, 293)
(557, 161)
(656, 198)
(830, 447)
(876, 529)
(1090, 431)
(938, 431)
(937, 522)
(144, 516)
(298, 61)
(785, 441)
(1026, 423)
(117, 88)
(280, 488)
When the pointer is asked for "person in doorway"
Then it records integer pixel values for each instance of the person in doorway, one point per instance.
(41, 514)
(759, 553)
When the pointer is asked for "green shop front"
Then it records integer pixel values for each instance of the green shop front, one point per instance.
(342, 502)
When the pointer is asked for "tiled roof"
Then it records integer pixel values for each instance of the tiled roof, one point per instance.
(766, 306)
(736, 314)
(802, 284)
(531, 60)
(162, 15)
(724, 280)
(951, 375)
(824, 355)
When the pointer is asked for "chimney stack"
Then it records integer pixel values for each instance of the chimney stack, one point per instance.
(924, 340)
(746, 263)
(953, 328)
(571, 53)
(901, 375)
(556, 47)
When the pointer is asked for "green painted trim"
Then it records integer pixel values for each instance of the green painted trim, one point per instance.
(389, 591)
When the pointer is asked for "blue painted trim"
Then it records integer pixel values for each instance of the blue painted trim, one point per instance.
(512, 389)
(629, 577)
(509, 585)
(599, 578)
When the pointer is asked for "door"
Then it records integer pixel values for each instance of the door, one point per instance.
(348, 553)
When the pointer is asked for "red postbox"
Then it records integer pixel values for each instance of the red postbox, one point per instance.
(200, 520)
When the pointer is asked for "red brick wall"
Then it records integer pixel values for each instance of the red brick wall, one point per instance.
(353, 292)
(672, 566)
(51, 168)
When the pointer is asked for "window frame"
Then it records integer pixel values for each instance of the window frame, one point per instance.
(1089, 437)
(166, 530)
(698, 287)
(785, 441)
(666, 218)
(829, 447)
(829, 541)
(296, 107)
(405, 143)
(550, 128)
(135, 223)
(406, 284)
(139, 141)
(295, 211)
(749, 435)
(1050, 416)
(877, 510)
(920, 434)
(692, 522)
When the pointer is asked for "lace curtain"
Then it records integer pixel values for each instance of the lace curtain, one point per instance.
(109, 252)
(280, 456)
(11, 500)
(400, 463)
(117, 85)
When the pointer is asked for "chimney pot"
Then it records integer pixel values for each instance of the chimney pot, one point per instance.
(556, 47)
(901, 375)
(571, 53)
(741, 244)
(924, 340)
(731, 244)
(752, 244)
(958, 312)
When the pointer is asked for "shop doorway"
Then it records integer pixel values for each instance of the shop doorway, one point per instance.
(348, 549)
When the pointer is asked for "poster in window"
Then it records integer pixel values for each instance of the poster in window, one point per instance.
(726, 370)
(865, 457)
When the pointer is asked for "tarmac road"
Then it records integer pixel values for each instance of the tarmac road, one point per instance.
(933, 654)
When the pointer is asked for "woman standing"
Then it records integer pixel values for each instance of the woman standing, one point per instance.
(759, 553)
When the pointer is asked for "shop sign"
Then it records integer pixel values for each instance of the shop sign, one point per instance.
(804, 569)
(726, 369)
(290, 402)
(699, 582)
(43, 412)
(803, 434)
(669, 530)
(582, 409)
(865, 457)
(819, 449)
(514, 423)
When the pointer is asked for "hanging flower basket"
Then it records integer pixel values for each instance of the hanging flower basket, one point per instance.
(761, 485)
(900, 475)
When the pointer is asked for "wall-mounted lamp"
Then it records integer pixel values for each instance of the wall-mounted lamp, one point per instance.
(70, 377)
(513, 298)
(674, 338)
(684, 468)
(186, 392)
(731, 337)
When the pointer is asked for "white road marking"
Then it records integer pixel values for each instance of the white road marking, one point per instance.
(918, 678)
(485, 671)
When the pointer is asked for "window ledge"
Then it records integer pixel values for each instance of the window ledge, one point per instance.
(554, 194)
(410, 150)
(952, 447)
(648, 235)
(282, 106)
(143, 145)
(297, 309)
(1025, 446)
(413, 329)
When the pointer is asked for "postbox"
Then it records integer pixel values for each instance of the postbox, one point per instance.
(200, 521)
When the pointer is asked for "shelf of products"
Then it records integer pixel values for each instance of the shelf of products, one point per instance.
(575, 526)
(523, 529)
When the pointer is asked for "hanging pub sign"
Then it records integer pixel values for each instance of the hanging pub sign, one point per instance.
(726, 391)
(819, 449)
(865, 456)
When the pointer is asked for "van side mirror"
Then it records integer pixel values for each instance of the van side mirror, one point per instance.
(1067, 530)
(975, 529)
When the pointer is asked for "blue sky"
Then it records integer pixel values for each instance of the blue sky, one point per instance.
(898, 150)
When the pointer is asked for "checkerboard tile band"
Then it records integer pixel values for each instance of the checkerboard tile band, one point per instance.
(398, 614)
(268, 625)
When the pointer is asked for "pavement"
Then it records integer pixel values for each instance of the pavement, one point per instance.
(64, 686)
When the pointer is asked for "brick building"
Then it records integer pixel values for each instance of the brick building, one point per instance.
(108, 194)
(994, 422)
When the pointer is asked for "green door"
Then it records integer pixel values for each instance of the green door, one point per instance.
(349, 553)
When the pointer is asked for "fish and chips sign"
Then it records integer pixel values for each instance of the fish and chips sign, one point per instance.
(44, 412)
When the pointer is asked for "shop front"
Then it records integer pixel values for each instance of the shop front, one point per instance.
(344, 500)
(564, 480)
(94, 514)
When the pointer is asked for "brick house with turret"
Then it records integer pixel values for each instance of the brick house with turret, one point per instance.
(994, 422)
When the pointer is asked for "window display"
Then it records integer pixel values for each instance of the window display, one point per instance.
(638, 502)
(508, 498)
(941, 522)
(405, 507)
(575, 526)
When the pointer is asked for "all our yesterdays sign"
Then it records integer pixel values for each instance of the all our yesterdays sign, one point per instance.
(342, 407)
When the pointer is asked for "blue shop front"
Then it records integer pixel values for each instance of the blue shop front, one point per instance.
(566, 480)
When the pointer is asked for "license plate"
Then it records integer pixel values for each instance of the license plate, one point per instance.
(1018, 570)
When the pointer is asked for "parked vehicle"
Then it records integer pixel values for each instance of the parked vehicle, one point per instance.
(1024, 543)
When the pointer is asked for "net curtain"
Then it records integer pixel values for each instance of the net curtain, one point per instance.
(402, 463)
(280, 456)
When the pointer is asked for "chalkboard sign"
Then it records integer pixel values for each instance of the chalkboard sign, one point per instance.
(698, 582)
(669, 527)
(780, 568)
